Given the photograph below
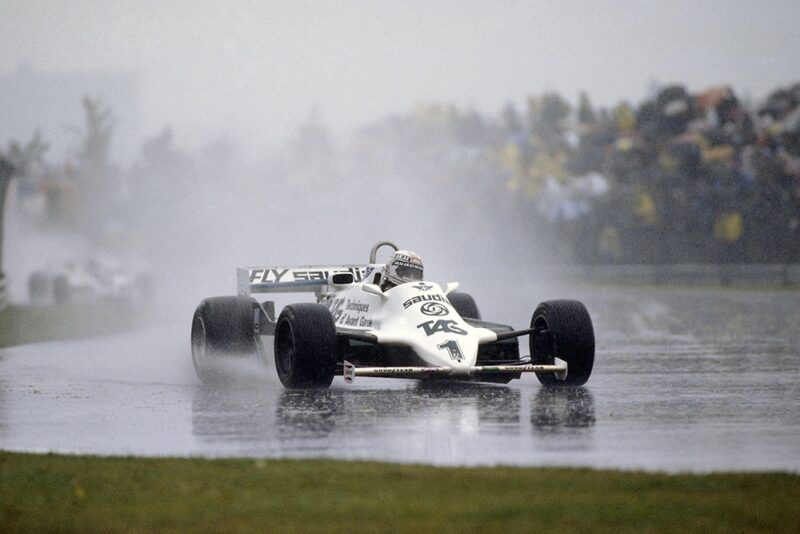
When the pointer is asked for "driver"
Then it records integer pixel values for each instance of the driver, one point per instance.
(404, 266)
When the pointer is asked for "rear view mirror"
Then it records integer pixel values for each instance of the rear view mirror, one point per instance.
(373, 290)
(341, 279)
(451, 286)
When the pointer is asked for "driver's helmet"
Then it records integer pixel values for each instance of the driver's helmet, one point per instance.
(404, 266)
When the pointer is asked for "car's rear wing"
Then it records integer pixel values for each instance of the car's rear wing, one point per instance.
(290, 279)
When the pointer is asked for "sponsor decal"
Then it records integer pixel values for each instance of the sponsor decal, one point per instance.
(302, 275)
(423, 298)
(410, 265)
(453, 349)
(264, 276)
(354, 320)
(335, 307)
(408, 259)
(434, 309)
(422, 286)
(447, 326)
(349, 313)
(357, 307)
(392, 371)
(274, 276)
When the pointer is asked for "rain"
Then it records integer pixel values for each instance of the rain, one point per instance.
(643, 159)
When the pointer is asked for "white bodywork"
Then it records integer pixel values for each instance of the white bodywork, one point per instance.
(415, 314)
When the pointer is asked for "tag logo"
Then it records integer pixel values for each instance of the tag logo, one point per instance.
(422, 286)
(447, 326)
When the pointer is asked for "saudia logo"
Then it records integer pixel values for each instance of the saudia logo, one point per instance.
(422, 298)
(434, 308)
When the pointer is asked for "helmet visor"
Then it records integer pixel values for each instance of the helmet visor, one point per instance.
(409, 274)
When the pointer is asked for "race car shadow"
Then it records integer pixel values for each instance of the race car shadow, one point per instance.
(557, 409)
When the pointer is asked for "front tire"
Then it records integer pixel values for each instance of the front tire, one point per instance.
(222, 327)
(464, 305)
(569, 335)
(305, 346)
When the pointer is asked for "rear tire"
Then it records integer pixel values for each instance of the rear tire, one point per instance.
(222, 327)
(569, 336)
(305, 346)
(464, 305)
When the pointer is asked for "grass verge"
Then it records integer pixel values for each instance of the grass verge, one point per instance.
(21, 324)
(73, 493)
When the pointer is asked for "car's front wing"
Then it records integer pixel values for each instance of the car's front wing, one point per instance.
(559, 367)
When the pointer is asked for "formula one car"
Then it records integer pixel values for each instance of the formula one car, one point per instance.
(361, 325)
(91, 279)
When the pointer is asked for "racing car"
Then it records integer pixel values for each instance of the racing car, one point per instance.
(90, 279)
(383, 320)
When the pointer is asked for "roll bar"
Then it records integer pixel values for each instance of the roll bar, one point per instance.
(373, 254)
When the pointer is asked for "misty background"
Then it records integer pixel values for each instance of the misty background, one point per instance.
(253, 71)
(490, 139)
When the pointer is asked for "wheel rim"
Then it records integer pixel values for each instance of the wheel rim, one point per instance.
(284, 351)
(543, 349)
(198, 341)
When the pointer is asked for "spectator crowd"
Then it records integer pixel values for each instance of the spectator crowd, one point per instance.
(679, 178)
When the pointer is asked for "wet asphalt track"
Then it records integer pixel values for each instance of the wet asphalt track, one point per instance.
(685, 379)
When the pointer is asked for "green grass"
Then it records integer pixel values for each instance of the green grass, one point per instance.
(21, 324)
(72, 493)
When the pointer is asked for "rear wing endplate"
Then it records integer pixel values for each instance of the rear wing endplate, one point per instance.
(313, 278)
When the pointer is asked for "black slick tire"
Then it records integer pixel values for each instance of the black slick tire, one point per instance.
(222, 327)
(567, 334)
(465, 305)
(305, 346)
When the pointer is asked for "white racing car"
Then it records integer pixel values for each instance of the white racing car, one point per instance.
(91, 279)
(384, 320)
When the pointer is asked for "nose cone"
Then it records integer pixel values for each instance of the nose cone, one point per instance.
(419, 315)
(448, 350)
